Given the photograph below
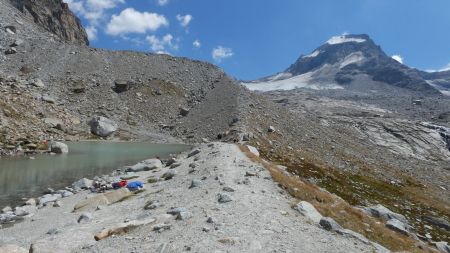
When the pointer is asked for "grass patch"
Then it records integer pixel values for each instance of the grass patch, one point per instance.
(337, 208)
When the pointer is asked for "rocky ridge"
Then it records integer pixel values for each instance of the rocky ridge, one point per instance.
(56, 17)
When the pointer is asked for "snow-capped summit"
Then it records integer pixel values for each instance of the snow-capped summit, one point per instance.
(346, 62)
(344, 39)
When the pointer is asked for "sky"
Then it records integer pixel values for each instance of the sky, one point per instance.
(250, 39)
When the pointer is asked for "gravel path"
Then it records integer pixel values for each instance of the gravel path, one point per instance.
(257, 219)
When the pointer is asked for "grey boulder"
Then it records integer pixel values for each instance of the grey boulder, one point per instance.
(398, 226)
(59, 148)
(102, 126)
(309, 211)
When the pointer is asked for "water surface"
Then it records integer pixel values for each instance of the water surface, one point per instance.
(21, 177)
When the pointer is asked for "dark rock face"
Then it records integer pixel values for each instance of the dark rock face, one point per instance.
(56, 17)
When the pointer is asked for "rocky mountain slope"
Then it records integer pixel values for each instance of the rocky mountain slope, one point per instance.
(83, 80)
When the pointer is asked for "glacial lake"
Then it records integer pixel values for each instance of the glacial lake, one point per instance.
(22, 177)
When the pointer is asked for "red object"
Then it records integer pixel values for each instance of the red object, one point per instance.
(123, 183)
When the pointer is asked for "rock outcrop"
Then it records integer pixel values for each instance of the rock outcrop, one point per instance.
(56, 17)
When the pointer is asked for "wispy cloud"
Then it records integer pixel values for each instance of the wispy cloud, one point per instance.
(220, 53)
(132, 21)
(163, 2)
(164, 44)
(184, 20)
(197, 44)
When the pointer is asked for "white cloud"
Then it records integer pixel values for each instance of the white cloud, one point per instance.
(219, 53)
(132, 21)
(398, 58)
(163, 2)
(92, 10)
(91, 32)
(161, 45)
(197, 43)
(103, 4)
(184, 20)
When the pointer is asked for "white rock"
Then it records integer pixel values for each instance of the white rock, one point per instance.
(308, 210)
(253, 150)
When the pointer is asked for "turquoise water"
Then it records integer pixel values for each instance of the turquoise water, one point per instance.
(21, 177)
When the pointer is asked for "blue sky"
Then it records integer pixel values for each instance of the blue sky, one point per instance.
(254, 38)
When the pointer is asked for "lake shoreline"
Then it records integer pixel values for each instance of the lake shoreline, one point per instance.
(59, 170)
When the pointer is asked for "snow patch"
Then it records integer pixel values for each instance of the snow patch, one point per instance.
(441, 89)
(300, 81)
(314, 54)
(352, 58)
(343, 39)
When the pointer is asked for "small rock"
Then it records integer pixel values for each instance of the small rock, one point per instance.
(329, 224)
(11, 50)
(169, 175)
(57, 204)
(206, 229)
(228, 189)
(176, 210)
(171, 161)
(253, 150)
(84, 218)
(30, 202)
(152, 205)
(7, 209)
(184, 215)
(224, 198)
(161, 227)
(16, 43)
(11, 29)
(211, 220)
(53, 231)
(184, 111)
(271, 129)
(195, 183)
(48, 99)
(193, 152)
(174, 165)
(250, 174)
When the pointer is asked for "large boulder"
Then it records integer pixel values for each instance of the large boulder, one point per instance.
(379, 211)
(83, 183)
(309, 211)
(122, 85)
(398, 226)
(102, 126)
(103, 199)
(150, 164)
(59, 148)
